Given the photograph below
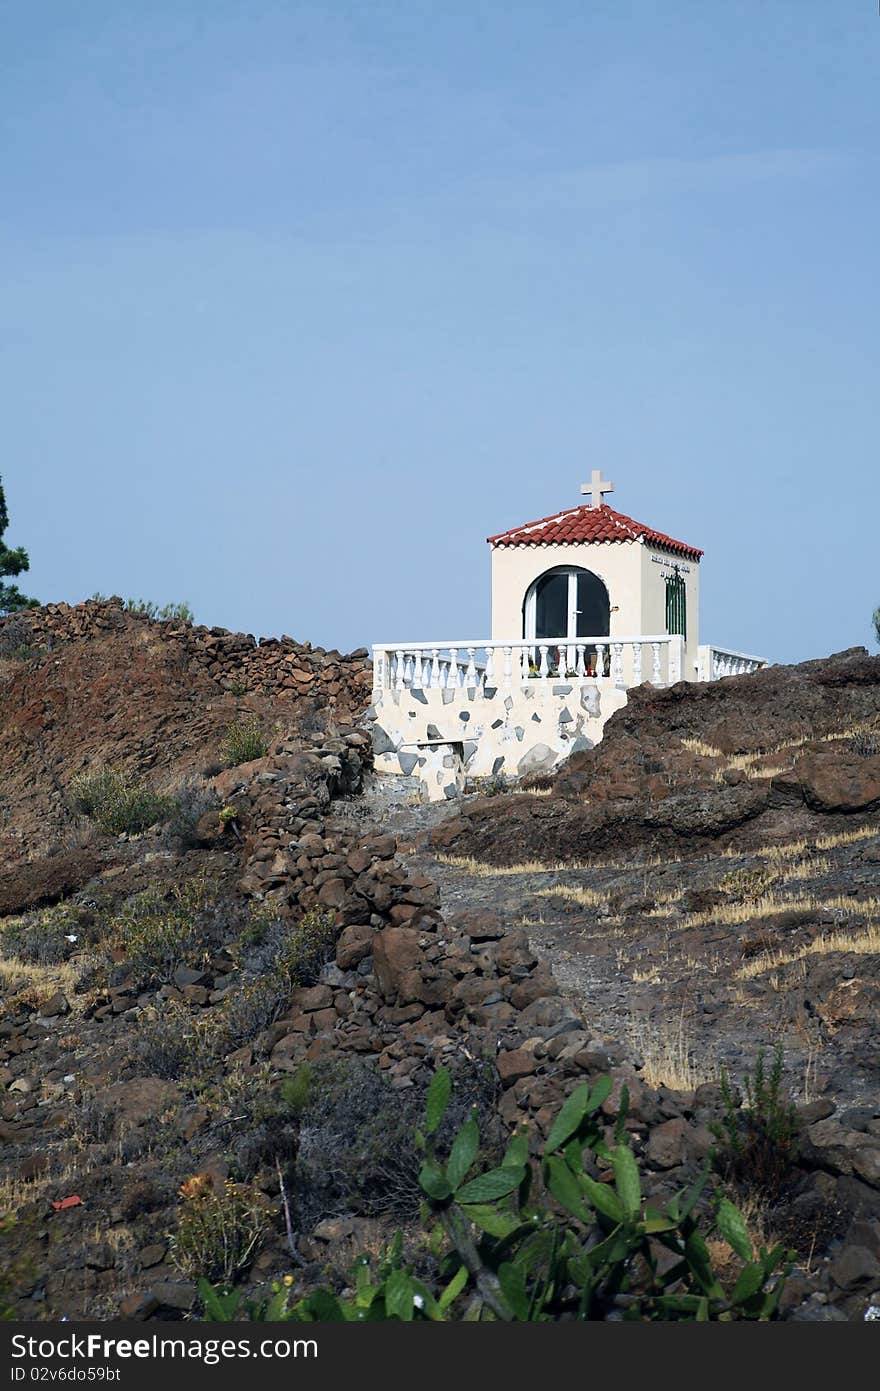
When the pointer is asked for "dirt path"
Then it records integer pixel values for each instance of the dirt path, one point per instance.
(695, 964)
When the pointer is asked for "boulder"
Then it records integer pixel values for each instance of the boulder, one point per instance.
(354, 944)
(835, 783)
(396, 954)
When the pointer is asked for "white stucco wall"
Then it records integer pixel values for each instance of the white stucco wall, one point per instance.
(619, 564)
(655, 566)
(633, 572)
(438, 736)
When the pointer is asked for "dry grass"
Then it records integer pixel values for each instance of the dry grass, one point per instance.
(662, 902)
(668, 1055)
(811, 868)
(747, 762)
(795, 849)
(864, 942)
(769, 904)
(483, 871)
(35, 984)
(653, 975)
(487, 871)
(576, 893)
(16, 1192)
(699, 746)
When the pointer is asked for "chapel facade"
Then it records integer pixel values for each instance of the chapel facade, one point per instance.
(586, 603)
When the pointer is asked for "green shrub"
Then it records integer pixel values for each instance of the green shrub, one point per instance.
(181, 613)
(748, 884)
(284, 957)
(251, 1006)
(159, 933)
(94, 1121)
(243, 741)
(218, 1231)
(865, 744)
(263, 1131)
(117, 802)
(358, 1150)
(18, 1272)
(17, 640)
(540, 1242)
(45, 937)
(292, 952)
(759, 1138)
(173, 1042)
(191, 800)
(296, 1089)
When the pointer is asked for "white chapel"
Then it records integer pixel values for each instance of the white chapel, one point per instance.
(586, 604)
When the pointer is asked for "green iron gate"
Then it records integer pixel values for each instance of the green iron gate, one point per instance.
(676, 604)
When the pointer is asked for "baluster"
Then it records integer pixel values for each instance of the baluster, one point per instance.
(544, 665)
(471, 673)
(417, 671)
(508, 668)
(655, 663)
(617, 664)
(400, 670)
(408, 671)
(452, 673)
(524, 663)
(435, 667)
(489, 672)
(637, 663)
(580, 664)
(600, 659)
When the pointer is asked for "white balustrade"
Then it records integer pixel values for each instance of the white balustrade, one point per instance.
(484, 665)
(716, 662)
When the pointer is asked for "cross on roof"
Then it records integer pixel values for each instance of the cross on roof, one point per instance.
(596, 487)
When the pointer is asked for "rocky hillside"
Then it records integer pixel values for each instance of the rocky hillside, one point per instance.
(758, 759)
(248, 998)
(96, 685)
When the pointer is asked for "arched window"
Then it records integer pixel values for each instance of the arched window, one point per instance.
(567, 602)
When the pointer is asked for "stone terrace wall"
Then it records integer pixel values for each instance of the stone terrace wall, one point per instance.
(273, 667)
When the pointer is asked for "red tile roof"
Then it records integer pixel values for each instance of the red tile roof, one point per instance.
(588, 523)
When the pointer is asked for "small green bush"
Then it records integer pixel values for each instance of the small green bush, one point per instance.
(243, 741)
(296, 1089)
(280, 957)
(218, 1231)
(117, 802)
(46, 937)
(159, 933)
(18, 1273)
(17, 640)
(181, 612)
(758, 1139)
(173, 1042)
(251, 1006)
(294, 953)
(865, 744)
(191, 800)
(358, 1150)
(263, 1133)
(94, 1121)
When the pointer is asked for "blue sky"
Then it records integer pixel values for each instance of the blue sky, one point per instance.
(301, 301)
